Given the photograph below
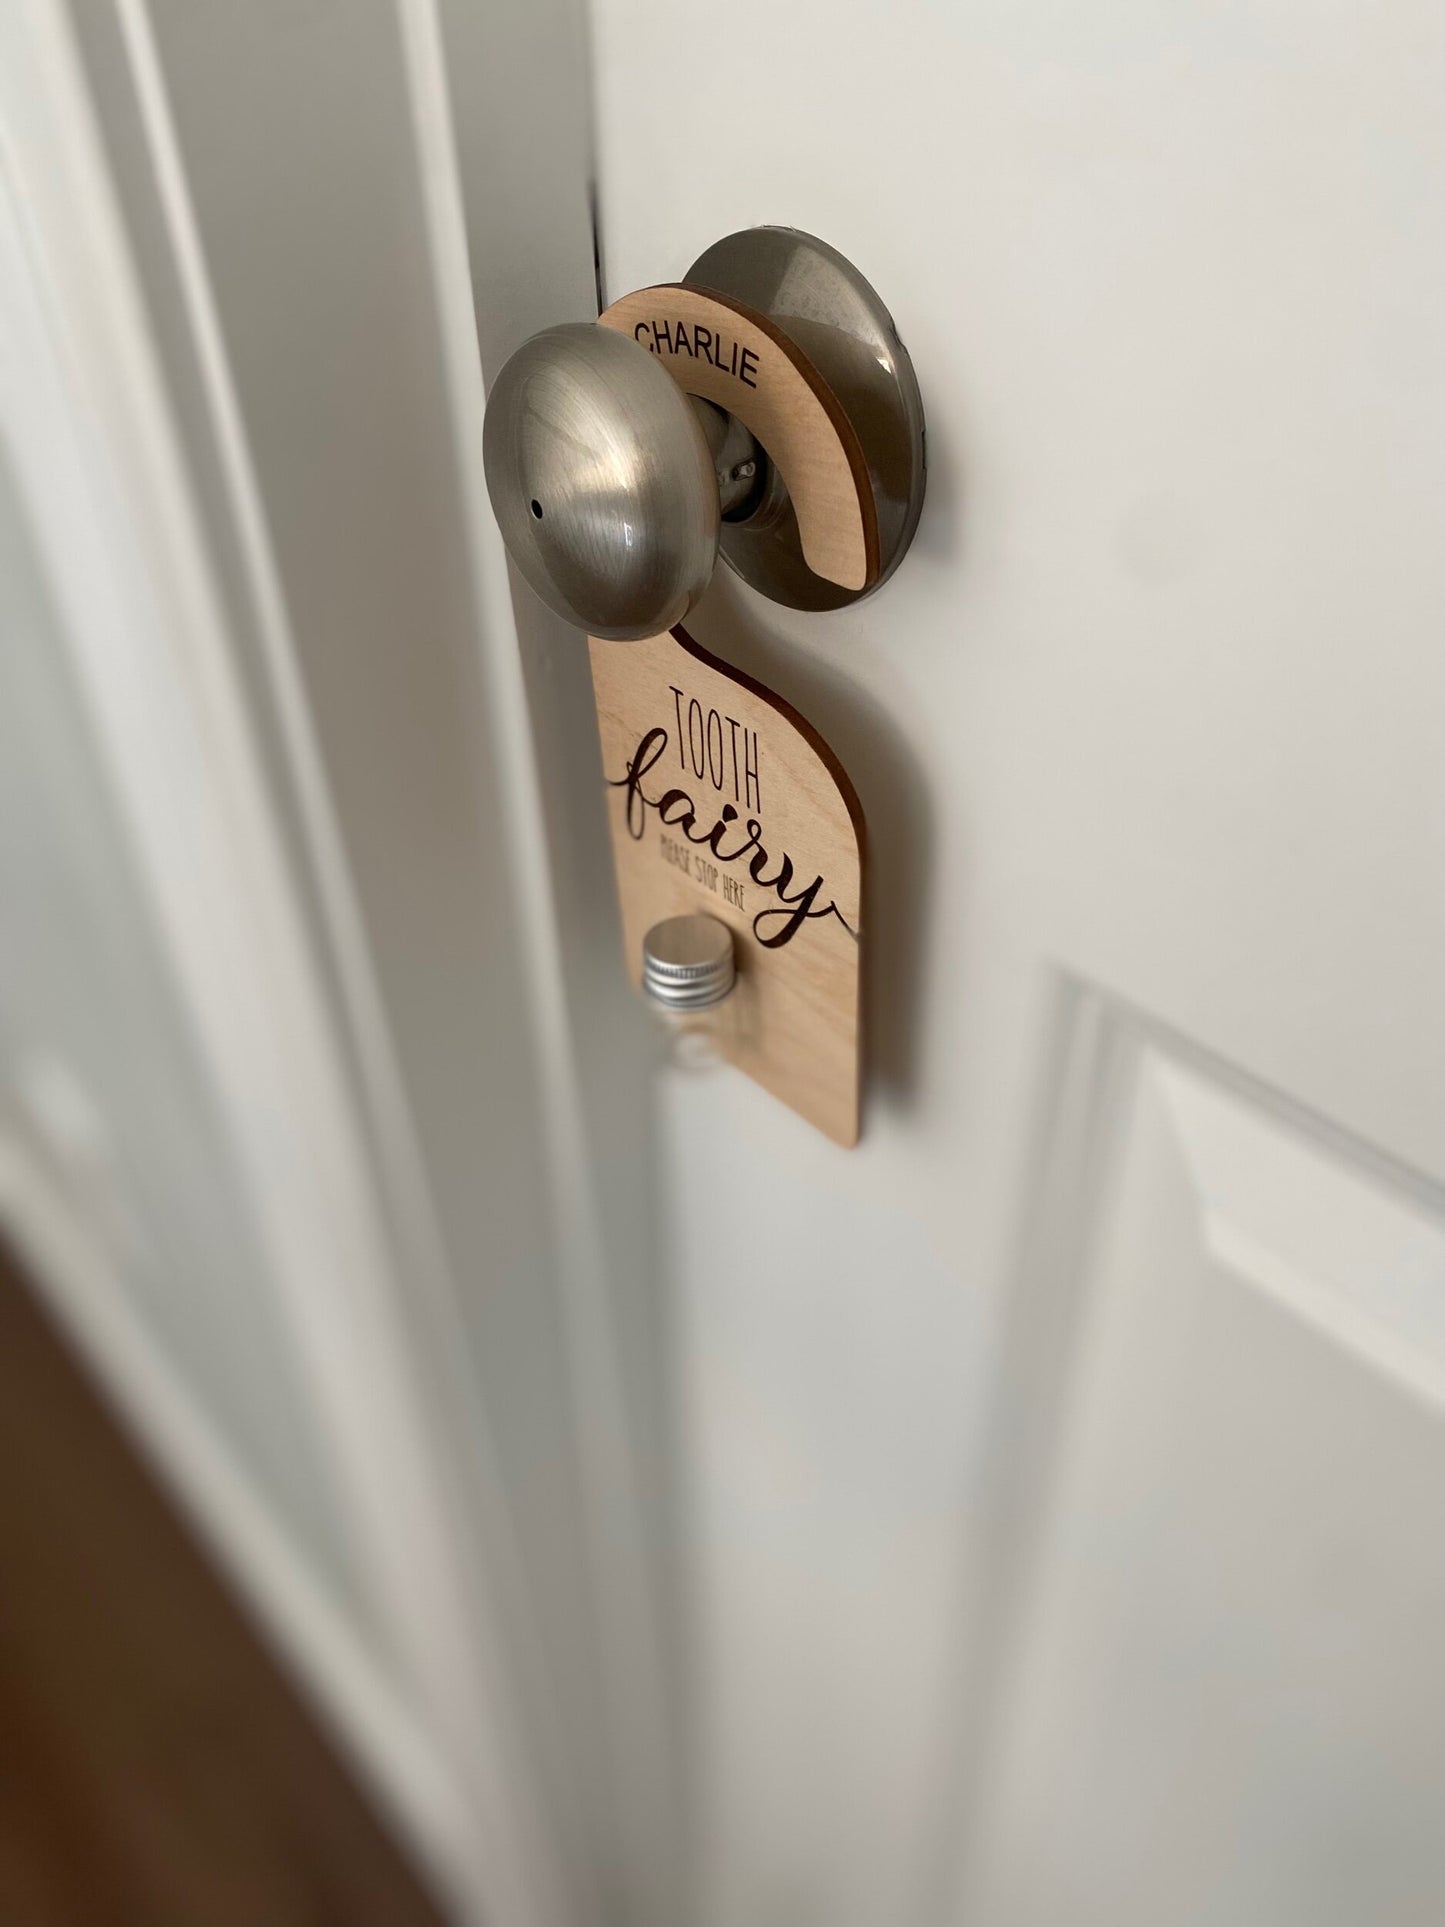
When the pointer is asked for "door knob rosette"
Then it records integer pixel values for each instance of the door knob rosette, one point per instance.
(762, 407)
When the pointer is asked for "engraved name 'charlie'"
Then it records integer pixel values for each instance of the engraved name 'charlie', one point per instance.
(708, 754)
(703, 344)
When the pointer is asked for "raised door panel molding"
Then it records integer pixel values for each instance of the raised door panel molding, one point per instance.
(1226, 1682)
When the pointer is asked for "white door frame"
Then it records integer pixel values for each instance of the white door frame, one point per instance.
(177, 611)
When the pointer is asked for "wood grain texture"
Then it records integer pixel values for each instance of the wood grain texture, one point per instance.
(744, 364)
(722, 799)
(156, 1767)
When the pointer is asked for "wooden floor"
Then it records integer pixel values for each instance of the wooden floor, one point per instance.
(156, 1770)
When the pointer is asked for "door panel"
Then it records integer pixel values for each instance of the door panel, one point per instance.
(1155, 705)
(1225, 1703)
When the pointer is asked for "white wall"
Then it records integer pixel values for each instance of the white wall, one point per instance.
(120, 1111)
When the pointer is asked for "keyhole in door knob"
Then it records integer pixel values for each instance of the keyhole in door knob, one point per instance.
(536, 508)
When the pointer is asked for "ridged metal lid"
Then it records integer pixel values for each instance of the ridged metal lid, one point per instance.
(687, 962)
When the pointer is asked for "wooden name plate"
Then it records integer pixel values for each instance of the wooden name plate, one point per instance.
(729, 354)
(722, 799)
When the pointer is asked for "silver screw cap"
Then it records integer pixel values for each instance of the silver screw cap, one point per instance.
(688, 962)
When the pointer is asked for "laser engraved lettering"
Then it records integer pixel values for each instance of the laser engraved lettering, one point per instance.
(728, 356)
(774, 926)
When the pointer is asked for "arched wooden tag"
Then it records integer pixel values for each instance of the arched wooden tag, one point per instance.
(722, 799)
(730, 354)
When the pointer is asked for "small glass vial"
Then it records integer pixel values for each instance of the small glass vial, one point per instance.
(689, 972)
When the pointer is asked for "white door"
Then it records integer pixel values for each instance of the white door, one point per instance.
(1037, 1515)
(1066, 1467)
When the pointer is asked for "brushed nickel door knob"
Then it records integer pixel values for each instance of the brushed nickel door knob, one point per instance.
(602, 481)
(763, 407)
